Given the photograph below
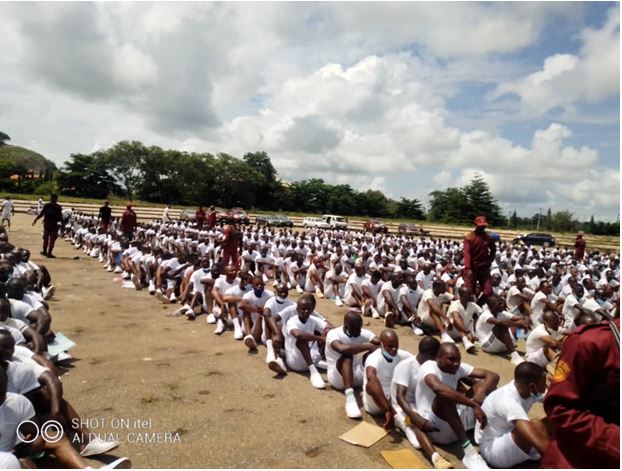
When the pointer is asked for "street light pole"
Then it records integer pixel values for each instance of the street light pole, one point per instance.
(538, 227)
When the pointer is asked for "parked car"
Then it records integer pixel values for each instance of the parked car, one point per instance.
(240, 216)
(188, 215)
(375, 225)
(535, 238)
(222, 215)
(273, 220)
(408, 228)
(336, 222)
(315, 222)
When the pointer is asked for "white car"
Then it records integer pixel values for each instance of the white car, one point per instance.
(315, 222)
(336, 222)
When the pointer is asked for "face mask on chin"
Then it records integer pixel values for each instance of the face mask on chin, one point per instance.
(538, 396)
(279, 299)
(387, 356)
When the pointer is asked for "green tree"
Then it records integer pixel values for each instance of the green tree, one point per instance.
(410, 209)
(266, 188)
(450, 206)
(3, 138)
(86, 176)
(514, 220)
(124, 163)
(481, 201)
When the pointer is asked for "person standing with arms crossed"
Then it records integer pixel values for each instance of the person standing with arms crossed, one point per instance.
(52, 214)
(231, 245)
(579, 246)
(479, 252)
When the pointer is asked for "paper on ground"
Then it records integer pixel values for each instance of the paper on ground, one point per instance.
(60, 344)
(364, 434)
(404, 459)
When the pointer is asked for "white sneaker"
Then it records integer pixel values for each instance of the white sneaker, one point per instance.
(63, 356)
(126, 275)
(270, 357)
(474, 461)
(278, 366)
(47, 293)
(237, 333)
(220, 327)
(118, 270)
(265, 278)
(516, 359)
(173, 298)
(97, 446)
(289, 285)
(338, 302)
(319, 293)
(317, 381)
(100, 259)
(121, 463)
(250, 343)
(152, 289)
(322, 365)
(446, 338)
(352, 409)
(374, 313)
(417, 331)
(468, 345)
(298, 289)
(211, 318)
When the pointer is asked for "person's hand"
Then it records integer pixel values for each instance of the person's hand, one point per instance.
(479, 397)
(467, 274)
(424, 425)
(480, 416)
(388, 420)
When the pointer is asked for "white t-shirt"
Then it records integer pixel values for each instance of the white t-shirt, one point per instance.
(424, 396)
(222, 285)
(387, 287)
(423, 310)
(7, 207)
(538, 302)
(384, 368)
(354, 280)
(14, 410)
(294, 323)
(276, 306)
(534, 342)
(465, 313)
(502, 407)
(254, 301)
(569, 310)
(483, 329)
(21, 378)
(413, 296)
(374, 289)
(425, 279)
(405, 374)
(337, 333)
(20, 310)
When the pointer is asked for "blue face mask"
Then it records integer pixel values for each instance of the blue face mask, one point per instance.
(538, 397)
(206, 270)
(258, 292)
(387, 356)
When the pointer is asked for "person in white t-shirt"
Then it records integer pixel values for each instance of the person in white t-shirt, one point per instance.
(314, 281)
(166, 217)
(511, 437)
(519, 297)
(388, 301)
(403, 389)
(353, 295)
(371, 289)
(346, 349)
(542, 301)
(232, 298)
(451, 412)
(542, 343)
(572, 309)
(409, 296)
(379, 367)
(462, 315)
(304, 337)
(252, 307)
(430, 310)
(493, 329)
(335, 283)
(275, 341)
(220, 309)
(7, 211)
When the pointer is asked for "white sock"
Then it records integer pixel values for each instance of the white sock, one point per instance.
(349, 393)
(469, 450)
(435, 457)
(313, 370)
(236, 324)
(269, 347)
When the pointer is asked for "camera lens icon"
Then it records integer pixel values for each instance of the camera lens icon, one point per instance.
(51, 431)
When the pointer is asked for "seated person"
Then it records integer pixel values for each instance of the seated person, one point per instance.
(542, 342)
(430, 309)
(493, 329)
(403, 386)
(379, 367)
(510, 437)
(462, 315)
(346, 348)
(450, 411)
(353, 295)
(335, 283)
(252, 306)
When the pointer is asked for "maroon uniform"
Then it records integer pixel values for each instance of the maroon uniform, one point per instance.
(579, 248)
(200, 217)
(128, 222)
(231, 245)
(583, 401)
(479, 252)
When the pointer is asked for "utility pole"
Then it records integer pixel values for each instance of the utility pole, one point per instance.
(538, 227)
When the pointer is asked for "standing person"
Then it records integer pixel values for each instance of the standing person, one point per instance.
(583, 400)
(128, 222)
(105, 216)
(579, 246)
(166, 217)
(8, 210)
(231, 245)
(52, 214)
(200, 216)
(479, 253)
(211, 217)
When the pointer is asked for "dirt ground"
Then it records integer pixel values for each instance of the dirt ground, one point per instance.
(139, 375)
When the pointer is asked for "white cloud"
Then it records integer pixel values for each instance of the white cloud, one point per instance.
(566, 79)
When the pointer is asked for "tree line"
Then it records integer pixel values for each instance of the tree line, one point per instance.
(149, 173)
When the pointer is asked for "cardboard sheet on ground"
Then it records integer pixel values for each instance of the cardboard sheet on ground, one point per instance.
(60, 344)
(364, 434)
(403, 459)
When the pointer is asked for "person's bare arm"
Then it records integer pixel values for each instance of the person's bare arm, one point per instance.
(374, 389)
(416, 419)
(526, 429)
(451, 394)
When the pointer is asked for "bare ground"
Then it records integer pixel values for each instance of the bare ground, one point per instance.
(132, 362)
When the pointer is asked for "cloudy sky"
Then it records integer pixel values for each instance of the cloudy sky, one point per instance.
(401, 97)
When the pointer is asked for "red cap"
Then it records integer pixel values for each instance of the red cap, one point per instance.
(481, 221)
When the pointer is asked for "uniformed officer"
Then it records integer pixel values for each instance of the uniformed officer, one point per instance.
(479, 253)
(583, 401)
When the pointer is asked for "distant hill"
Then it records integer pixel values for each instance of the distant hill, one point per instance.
(28, 158)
